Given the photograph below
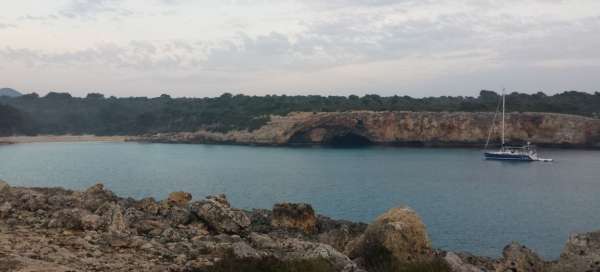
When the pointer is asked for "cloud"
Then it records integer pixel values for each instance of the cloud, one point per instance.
(91, 8)
(296, 42)
(6, 26)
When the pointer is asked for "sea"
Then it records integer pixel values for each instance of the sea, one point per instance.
(467, 203)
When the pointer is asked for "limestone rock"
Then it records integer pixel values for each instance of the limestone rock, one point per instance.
(338, 233)
(457, 264)
(581, 253)
(287, 249)
(243, 250)
(294, 216)
(219, 215)
(150, 227)
(113, 217)
(260, 220)
(148, 205)
(176, 215)
(96, 196)
(5, 209)
(4, 186)
(518, 258)
(399, 232)
(180, 199)
(91, 222)
(68, 219)
(441, 128)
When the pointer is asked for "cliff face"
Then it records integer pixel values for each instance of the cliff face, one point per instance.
(413, 128)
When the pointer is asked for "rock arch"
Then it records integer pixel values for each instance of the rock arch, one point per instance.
(346, 136)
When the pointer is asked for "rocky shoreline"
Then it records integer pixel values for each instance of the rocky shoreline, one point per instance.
(54, 229)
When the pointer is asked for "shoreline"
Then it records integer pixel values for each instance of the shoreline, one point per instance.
(141, 139)
(60, 139)
(56, 229)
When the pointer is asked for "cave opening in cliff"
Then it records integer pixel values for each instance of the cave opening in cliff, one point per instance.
(349, 140)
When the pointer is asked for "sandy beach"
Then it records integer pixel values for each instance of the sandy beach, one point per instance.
(60, 138)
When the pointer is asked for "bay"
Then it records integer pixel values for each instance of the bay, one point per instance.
(467, 203)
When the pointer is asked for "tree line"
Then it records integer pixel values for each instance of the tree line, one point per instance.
(61, 113)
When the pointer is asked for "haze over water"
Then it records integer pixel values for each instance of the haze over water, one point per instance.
(468, 204)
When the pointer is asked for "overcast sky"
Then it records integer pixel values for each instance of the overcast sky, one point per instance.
(329, 47)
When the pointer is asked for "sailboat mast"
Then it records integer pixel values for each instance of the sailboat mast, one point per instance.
(503, 110)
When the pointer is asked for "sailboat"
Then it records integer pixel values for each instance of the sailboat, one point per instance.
(526, 153)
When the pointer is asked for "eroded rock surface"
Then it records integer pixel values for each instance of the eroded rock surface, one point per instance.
(298, 216)
(53, 229)
(581, 253)
(518, 258)
(218, 214)
(412, 128)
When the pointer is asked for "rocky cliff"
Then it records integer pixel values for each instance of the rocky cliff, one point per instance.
(53, 229)
(404, 128)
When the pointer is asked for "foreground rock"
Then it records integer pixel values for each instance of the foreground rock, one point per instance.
(399, 233)
(53, 229)
(294, 216)
(216, 211)
(581, 253)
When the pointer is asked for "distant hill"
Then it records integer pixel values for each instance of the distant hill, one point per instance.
(9, 92)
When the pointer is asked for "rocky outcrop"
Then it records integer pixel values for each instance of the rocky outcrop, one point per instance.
(294, 216)
(457, 264)
(219, 215)
(399, 233)
(405, 128)
(52, 229)
(95, 230)
(180, 199)
(518, 258)
(581, 253)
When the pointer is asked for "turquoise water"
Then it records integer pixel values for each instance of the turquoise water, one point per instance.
(468, 204)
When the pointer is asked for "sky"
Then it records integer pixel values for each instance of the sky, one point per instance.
(199, 48)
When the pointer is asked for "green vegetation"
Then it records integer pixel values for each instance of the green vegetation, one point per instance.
(60, 113)
(13, 121)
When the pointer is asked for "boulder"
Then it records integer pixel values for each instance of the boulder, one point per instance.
(176, 215)
(457, 264)
(68, 219)
(5, 210)
(112, 216)
(518, 258)
(338, 233)
(243, 250)
(150, 227)
(581, 253)
(91, 222)
(4, 186)
(180, 199)
(294, 216)
(95, 196)
(304, 250)
(219, 215)
(398, 234)
(148, 205)
(291, 249)
(32, 200)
